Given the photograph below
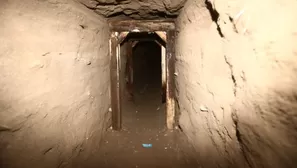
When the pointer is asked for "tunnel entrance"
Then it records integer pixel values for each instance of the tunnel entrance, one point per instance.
(142, 71)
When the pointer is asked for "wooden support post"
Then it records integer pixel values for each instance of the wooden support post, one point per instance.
(170, 67)
(129, 69)
(163, 66)
(115, 81)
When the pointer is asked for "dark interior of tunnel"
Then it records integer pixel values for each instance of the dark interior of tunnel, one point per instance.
(142, 95)
(147, 68)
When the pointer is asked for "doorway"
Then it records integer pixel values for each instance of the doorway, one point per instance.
(138, 69)
(141, 83)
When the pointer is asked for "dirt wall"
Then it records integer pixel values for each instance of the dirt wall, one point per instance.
(54, 83)
(236, 83)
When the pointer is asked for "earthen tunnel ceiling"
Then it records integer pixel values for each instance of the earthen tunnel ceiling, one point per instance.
(136, 9)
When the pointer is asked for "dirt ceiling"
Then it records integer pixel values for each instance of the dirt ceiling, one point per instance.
(137, 9)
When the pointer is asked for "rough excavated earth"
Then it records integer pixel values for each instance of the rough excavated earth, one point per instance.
(137, 9)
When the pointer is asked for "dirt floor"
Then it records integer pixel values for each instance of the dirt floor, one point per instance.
(144, 122)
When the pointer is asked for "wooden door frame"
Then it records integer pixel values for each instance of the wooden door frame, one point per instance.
(119, 31)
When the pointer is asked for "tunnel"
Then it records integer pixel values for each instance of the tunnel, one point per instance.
(135, 83)
(142, 104)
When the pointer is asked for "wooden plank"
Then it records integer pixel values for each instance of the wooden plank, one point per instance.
(142, 25)
(115, 82)
(122, 36)
(130, 59)
(157, 40)
(144, 36)
(170, 85)
(163, 66)
(129, 70)
(162, 35)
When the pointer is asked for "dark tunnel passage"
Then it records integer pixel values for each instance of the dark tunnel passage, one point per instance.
(146, 87)
(144, 116)
(147, 69)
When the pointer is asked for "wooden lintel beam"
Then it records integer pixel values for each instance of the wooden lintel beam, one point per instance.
(143, 39)
(170, 68)
(122, 36)
(141, 25)
(157, 40)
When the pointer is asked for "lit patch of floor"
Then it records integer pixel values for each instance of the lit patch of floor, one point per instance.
(144, 123)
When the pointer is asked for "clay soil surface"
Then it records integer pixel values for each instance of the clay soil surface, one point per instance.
(144, 123)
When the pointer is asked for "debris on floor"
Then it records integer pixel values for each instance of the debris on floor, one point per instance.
(147, 145)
